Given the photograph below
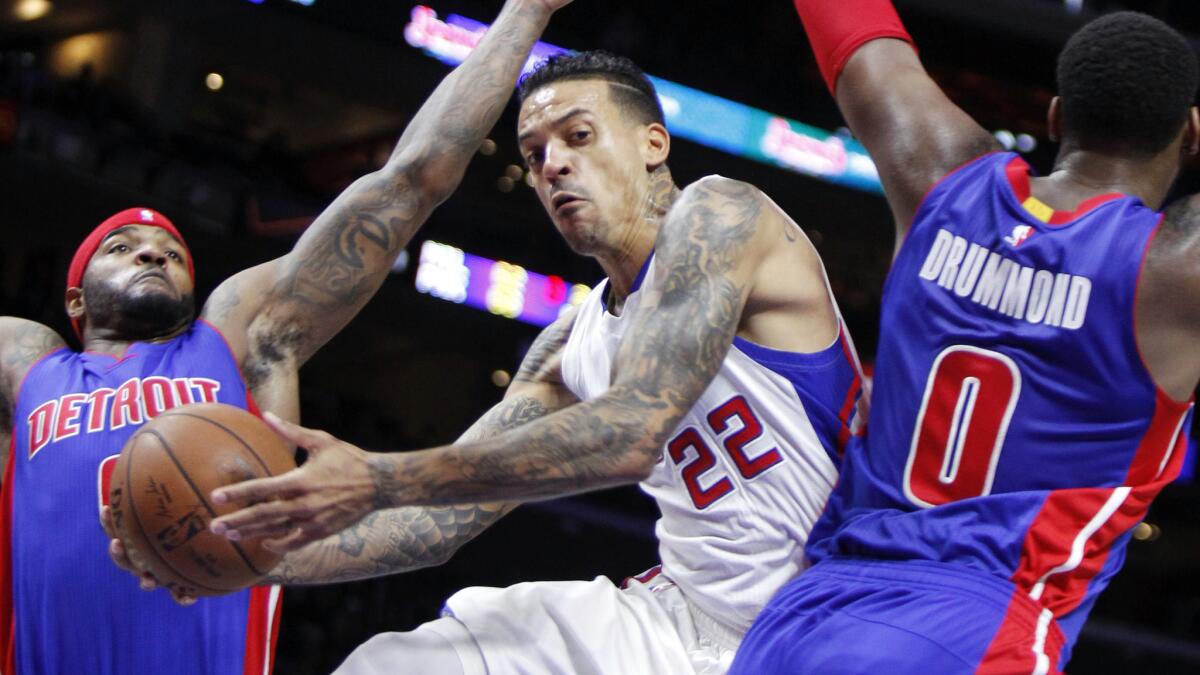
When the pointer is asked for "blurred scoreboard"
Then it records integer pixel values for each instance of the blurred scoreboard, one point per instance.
(495, 286)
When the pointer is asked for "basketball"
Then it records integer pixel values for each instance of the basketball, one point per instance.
(160, 496)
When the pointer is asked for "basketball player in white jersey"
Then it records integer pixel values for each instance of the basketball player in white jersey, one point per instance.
(711, 366)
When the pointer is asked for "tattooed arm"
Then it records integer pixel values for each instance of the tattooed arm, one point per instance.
(409, 538)
(22, 343)
(278, 314)
(707, 255)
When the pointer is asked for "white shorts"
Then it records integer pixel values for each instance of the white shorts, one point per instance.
(593, 628)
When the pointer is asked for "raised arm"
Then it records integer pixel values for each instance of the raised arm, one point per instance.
(706, 256)
(408, 538)
(915, 134)
(281, 312)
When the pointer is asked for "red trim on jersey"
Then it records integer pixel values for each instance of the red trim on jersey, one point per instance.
(251, 404)
(852, 394)
(1017, 172)
(1049, 541)
(934, 186)
(1162, 436)
(1066, 513)
(1013, 647)
(262, 630)
(262, 623)
(8, 617)
(644, 577)
(220, 334)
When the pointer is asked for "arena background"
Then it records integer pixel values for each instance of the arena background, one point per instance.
(105, 105)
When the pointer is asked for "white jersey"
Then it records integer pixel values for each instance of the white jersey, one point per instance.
(747, 471)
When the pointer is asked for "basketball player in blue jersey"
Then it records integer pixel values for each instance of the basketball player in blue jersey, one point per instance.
(710, 367)
(1037, 358)
(64, 608)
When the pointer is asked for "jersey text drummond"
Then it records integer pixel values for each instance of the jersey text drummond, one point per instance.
(987, 278)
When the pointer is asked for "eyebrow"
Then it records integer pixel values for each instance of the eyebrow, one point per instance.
(120, 230)
(559, 120)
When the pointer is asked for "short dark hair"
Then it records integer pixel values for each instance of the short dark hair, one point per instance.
(1126, 82)
(628, 85)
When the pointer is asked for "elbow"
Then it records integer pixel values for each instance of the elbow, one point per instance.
(435, 186)
(640, 467)
(637, 431)
(638, 459)
(415, 172)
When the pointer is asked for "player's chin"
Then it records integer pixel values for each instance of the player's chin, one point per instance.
(159, 307)
(579, 234)
(150, 295)
(156, 298)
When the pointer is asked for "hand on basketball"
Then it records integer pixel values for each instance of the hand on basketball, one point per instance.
(330, 492)
(125, 560)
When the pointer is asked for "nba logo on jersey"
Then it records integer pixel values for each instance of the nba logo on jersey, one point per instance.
(1019, 234)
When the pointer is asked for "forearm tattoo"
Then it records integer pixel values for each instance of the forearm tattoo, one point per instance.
(677, 342)
(24, 343)
(346, 254)
(397, 540)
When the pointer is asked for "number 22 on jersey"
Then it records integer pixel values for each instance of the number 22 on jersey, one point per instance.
(960, 428)
(736, 408)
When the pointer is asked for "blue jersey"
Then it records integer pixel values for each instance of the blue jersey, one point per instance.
(66, 607)
(1015, 429)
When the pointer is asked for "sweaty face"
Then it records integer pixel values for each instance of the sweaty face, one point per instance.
(584, 156)
(138, 283)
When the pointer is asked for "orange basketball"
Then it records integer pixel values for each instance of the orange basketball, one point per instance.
(161, 496)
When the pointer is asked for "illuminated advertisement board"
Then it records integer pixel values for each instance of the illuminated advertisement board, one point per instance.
(496, 286)
(692, 114)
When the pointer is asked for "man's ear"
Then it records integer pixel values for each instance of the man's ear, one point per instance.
(1191, 132)
(657, 146)
(75, 304)
(1054, 120)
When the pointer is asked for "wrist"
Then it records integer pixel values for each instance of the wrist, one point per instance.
(382, 484)
(836, 31)
(536, 8)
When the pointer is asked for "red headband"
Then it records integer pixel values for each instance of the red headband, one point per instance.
(134, 216)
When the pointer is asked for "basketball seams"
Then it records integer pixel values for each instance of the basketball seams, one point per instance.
(262, 463)
(134, 511)
(199, 494)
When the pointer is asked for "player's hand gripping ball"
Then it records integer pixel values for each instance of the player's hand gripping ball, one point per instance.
(159, 496)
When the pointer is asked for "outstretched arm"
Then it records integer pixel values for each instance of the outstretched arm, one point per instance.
(408, 538)
(706, 255)
(279, 313)
(915, 134)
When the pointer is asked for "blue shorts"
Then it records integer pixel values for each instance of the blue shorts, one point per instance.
(848, 616)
